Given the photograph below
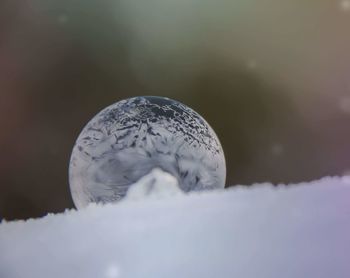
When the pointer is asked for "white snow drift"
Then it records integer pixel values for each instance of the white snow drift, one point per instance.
(262, 231)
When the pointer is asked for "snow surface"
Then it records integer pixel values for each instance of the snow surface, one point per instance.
(261, 231)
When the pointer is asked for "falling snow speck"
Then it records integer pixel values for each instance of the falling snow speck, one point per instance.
(252, 64)
(344, 104)
(345, 5)
(62, 19)
(277, 149)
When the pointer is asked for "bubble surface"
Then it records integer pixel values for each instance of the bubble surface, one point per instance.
(130, 138)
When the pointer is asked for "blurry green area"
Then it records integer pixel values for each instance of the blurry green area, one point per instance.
(271, 77)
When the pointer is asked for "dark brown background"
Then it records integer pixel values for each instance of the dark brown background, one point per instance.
(272, 79)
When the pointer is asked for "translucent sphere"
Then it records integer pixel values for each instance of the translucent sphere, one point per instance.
(128, 139)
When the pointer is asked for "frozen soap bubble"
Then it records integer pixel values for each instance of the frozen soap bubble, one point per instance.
(127, 140)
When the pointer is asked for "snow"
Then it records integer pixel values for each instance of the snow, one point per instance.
(261, 231)
(157, 184)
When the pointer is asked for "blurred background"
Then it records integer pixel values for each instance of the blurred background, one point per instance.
(272, 77)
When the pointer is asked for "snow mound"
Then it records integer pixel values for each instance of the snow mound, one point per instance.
(261, 231)
(157, 184)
